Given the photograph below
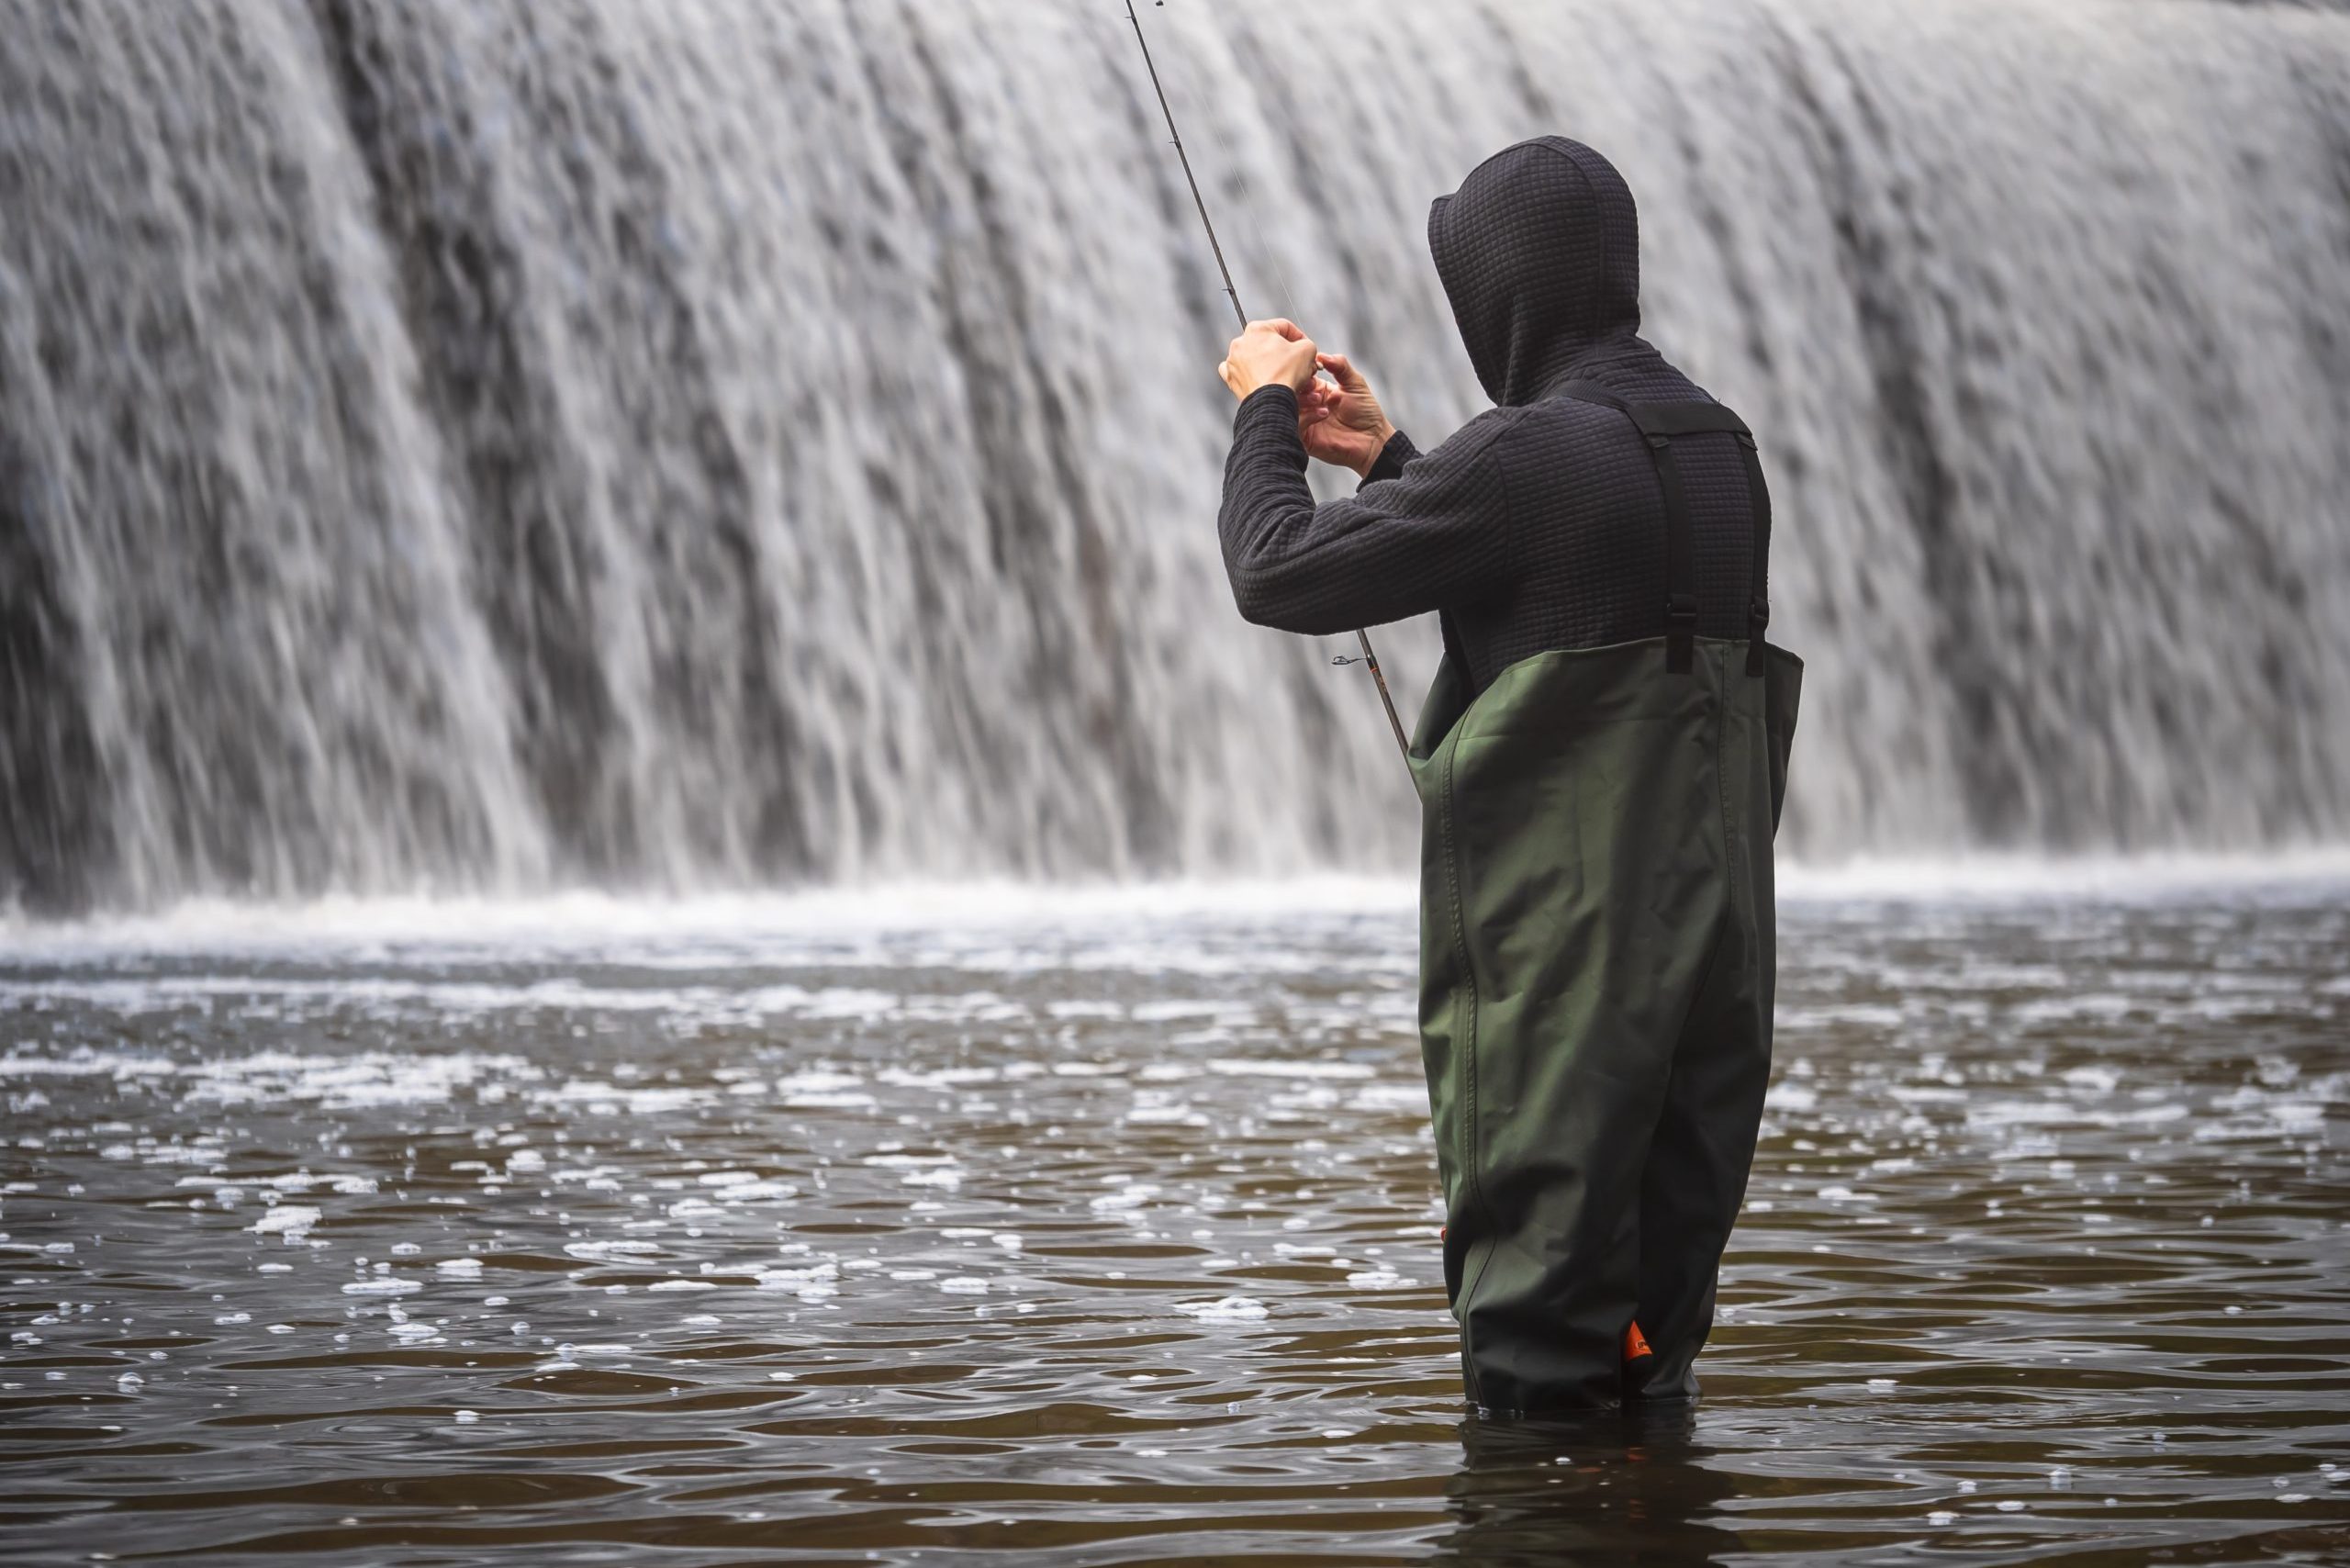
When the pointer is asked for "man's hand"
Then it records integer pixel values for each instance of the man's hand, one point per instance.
(1268, 353)
(1343, 425)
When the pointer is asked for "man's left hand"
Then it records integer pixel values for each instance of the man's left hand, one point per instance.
(1268, 353)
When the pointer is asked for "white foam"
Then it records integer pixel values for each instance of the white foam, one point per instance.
(358, 1080)
(2034, 878)
(1225, 1309)
(595, 921)
(290, 1220)
(603, 1099)
(707, 929)
(1238, 1067)
(1380, 1279)
(1132, 1196)
(609, 1251)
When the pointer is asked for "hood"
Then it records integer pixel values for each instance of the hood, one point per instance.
(1539, 249)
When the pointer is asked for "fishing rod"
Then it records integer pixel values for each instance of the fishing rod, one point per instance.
(1369, 654)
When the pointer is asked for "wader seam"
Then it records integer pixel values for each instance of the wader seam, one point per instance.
(1722, 918)
(1680, 1039)
(1476, 1144)
(1721, 776)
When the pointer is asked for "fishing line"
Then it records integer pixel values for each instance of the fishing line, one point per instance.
(1369, 654)
(1255, 224)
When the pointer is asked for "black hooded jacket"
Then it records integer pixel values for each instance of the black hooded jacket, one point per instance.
(1540, 524)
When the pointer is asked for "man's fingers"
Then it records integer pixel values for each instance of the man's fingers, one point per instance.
(1271, 352)
(1288, 331)
(1342, 367)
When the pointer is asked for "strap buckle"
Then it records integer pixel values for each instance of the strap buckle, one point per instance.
(1680, 632)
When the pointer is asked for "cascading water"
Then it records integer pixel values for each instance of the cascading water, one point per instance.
(499, 445)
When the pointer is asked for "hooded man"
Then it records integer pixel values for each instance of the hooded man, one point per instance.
(1601, 763)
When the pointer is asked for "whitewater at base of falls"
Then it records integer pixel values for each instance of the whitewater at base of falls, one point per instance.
(1014, 923)
(496, 448)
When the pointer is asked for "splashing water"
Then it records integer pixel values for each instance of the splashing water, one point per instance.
(731, 442)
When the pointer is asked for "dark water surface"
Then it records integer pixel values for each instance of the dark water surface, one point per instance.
(1104, 1230)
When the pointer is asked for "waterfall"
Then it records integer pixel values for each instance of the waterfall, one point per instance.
(500, 444)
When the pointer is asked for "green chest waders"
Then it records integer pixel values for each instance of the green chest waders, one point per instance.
(1596, 969)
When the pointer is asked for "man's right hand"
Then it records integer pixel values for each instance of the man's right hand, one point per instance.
(1343, 424)
(1268, 353)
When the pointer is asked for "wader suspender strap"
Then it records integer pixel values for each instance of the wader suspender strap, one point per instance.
(1658, 424)
(1680, 551)
(1758, 593)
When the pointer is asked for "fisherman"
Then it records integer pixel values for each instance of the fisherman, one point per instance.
(1601, 763)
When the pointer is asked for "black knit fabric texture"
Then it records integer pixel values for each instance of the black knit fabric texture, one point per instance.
(1540, 523)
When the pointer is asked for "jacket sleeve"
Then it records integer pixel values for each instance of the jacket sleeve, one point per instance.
(1426, 531)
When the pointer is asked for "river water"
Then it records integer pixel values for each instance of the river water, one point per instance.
(1094, 1228)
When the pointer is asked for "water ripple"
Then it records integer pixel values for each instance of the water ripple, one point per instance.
(1126, 1251)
